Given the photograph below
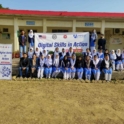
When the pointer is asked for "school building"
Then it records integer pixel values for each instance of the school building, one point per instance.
(13, 21)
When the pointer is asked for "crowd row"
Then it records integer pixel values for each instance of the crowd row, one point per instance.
(43, 64)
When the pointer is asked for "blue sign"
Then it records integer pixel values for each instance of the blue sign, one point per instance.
(30, 22)
(89, 24)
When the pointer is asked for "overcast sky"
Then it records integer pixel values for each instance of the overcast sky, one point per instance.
(66, 5)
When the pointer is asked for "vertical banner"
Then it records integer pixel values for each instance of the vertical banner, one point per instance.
(5, 61)
(50, 41)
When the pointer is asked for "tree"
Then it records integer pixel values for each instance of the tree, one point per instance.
(1, 7)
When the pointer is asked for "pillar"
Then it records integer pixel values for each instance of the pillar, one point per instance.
(74, 26)
(44, 26)
(103, 27)
(16, 28)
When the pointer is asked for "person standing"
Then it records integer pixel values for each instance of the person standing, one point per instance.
(102, 42)
(31, 39)
(93, 38)
(22, 43)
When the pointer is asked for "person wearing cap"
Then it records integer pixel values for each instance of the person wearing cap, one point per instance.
(56, 66)
(102, 42)
(41, 64)
(73, 67)
(106, 67)
(22, 43)
(48, 66)
(31, 38)
(24, 66)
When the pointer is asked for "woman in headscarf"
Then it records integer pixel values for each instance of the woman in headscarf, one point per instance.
(93, 40)
(48, 66)
(38, 53)
(113, 58)
(94, 53)
(100, 55)
(79, 67)
(56, 52)
(31, 38)
(34, 65)
(87, 67)
(56, 66)
(96, 67)
(41, 63)
(73, 69)
(123, 57)
(119, 65)
(65, 65)
(44, 53)
(106, 67)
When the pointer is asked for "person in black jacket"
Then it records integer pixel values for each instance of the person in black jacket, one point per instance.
(87, 67)
(102, 43)
(22, 43)
(106, 67)
(79, 67)
(96, 67)
(24, 65)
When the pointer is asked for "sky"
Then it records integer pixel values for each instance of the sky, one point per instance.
(66, 5)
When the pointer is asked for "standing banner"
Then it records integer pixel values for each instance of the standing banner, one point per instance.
(6, 61)
(50, 41)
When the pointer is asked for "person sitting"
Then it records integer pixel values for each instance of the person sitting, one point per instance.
(48, 66)
(87, 67)
(70, 53)
(87, 53)
(65, 65)
(123, 57)
(106, 52)
(62, 54)
(30, 53)
(34, 66)
(56, 52)
(31, 38)
(96, 67)
(24, 65)
(73, 69)
(100, 55)
(106, 66)
(44, 53)
(41, 63)
(79, 67)
(94, 53)
(119, 65)
(113, 59)
(37, 53)
(56, 68)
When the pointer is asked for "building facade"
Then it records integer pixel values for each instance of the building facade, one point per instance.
(109, 24)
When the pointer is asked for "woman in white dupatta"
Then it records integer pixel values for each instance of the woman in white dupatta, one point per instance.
(48, 66)
(31, 38)
(56, 68)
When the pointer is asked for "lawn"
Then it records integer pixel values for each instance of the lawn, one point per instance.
(61, 102)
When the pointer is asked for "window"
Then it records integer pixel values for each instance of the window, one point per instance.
(59, 31)
(5, 30)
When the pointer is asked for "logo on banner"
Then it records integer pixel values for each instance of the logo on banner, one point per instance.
(6, 72)
(75, 36)
(65, 36)
(54, 36)
(42, 36)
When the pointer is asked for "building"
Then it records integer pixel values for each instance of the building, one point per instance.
(13, 21)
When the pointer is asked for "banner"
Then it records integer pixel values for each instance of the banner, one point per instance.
(116, 40)
(6, 61)
(49, 41)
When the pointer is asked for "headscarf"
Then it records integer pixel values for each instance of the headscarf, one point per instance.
(56, 62)
(48, 62)
(30, 53)
(118, 52)
(94, 35)
(113, 55)
(94, 53)
(44, 54)
(31, 34)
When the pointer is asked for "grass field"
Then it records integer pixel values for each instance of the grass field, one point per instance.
(61, 102)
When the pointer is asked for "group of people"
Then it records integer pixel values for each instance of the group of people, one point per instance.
(88, 64)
